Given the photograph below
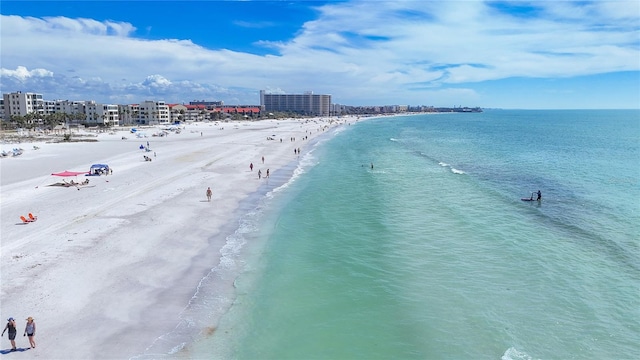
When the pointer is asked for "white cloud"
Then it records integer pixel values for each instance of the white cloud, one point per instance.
(360, 52)
(156, 81)
(21, 73)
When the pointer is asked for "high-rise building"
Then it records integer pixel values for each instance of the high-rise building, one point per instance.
(306, 104)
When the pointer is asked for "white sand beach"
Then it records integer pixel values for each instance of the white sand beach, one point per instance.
(108, 267)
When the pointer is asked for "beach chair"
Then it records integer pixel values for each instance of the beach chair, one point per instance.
(24, 219)
(32, 218)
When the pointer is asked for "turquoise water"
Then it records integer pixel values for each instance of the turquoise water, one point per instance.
(432, 255)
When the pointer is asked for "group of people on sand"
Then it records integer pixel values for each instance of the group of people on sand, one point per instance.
(295, 151)
(260, 174)
(29, 330)
(259, 171)
(74, 183)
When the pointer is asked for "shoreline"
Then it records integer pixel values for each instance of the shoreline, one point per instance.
(124, 258)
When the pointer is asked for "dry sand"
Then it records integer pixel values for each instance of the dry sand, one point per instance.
(107, 268)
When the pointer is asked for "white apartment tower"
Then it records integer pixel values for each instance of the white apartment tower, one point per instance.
(19, 103)
(307, 103)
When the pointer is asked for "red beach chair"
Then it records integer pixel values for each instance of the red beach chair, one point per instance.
(24, 219)
(32, 218)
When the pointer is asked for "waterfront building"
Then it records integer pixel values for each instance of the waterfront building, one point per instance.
(304, 104)
(246, 111)
(129, 114)
(85, 112)
(103, 114)
(209, 105)
(188, 113)
(21, 104)
(68, 107)
(153, 113)
(49, 107)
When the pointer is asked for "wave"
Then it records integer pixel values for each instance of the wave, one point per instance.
(393, 139)
(305, 162)
(213, 295)
(515, 354)
(453, 170)
(215, 292)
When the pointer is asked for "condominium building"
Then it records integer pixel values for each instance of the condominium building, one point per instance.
(306, 104)
(146, 113)
(21, 104)
(129, 114)
(105, 114)
(85, 112)
(188, 113)
(210, 105)
(153, 113)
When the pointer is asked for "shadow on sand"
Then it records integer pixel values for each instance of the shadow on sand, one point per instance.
(9, 351)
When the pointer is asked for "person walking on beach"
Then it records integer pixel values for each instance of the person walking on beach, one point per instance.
(209, 193)
(259, 174)
(267, 173)
(11, 326)
(263, 159)
(30, 331)
(251, 166)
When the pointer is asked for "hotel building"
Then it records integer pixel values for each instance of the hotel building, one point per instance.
(305, 104)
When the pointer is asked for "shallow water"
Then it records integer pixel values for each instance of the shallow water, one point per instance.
(431, 253)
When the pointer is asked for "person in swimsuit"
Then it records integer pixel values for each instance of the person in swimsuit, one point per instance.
(539, 196)
(11, 326)
(30, 331)
(209, 193)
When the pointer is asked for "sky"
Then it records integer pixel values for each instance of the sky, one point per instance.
(492, 54)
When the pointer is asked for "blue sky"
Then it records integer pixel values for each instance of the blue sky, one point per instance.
(494, 54)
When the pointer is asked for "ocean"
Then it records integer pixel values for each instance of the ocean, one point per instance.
(406, 238)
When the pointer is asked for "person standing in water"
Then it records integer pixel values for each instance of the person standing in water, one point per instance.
(539, 196)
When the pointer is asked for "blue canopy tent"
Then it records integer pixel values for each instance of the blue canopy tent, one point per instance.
(98, 169)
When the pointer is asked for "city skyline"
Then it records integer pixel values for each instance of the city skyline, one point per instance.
(532, 55)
